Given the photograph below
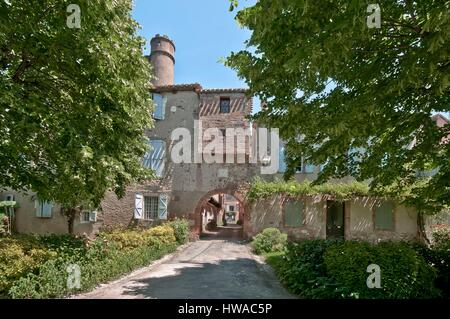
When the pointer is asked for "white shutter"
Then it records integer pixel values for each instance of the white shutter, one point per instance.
(47, 210)
(138, 206)
(309, 168)
(38, 208)
(282, 160)
(93, 216)
(162, 207)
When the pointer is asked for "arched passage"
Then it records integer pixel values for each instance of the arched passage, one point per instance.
(218, 206)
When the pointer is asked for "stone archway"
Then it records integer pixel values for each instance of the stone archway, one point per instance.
(240, 197)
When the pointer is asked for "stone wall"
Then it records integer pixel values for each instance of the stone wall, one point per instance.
(26, 221)
(358, 223)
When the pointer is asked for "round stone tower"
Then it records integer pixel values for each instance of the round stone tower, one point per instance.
(162, 57)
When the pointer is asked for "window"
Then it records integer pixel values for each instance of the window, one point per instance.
(293, 213)
(299, 168)
(224, 105)
(160, 106)
(155, 158)
(384, 216)
(85, 217)
(88, 216)
(151, 207)
(231, 208)
(309, 168)
(43, 209)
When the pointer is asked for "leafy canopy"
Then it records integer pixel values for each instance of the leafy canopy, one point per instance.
(74, 102)
(355, 97)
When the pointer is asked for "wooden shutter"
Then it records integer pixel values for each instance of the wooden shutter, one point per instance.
(293, 213)
(282, 160)
(93, 216)
(138, 206)
(160, 106)
(162, 207)
(384, 216)
(38, 208)
(147, 160)
(47, 210)
(309, 168)
(158, 155)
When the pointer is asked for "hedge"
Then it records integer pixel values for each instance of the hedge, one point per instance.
(269, 240)
(336, 269)
(36, 266)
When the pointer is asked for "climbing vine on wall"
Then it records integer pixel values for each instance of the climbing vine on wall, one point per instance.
(341, 191)
(261, 189)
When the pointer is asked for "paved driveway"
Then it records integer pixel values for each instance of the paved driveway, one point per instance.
(205, 269)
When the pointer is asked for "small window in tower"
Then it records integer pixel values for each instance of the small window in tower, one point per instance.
(224, 105)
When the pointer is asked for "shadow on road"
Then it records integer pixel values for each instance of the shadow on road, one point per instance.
(226, 279)
(230, 232)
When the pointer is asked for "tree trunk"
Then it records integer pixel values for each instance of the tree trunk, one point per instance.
(71, 213)
(422, 232)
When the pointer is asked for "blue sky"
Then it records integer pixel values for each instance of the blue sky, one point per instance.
(203, 32)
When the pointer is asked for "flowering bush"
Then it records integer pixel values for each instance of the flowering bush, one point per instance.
(36, 266)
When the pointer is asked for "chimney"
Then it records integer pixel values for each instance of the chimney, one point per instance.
(163, 60)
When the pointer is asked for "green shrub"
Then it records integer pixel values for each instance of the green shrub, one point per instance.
(128, 239)
(441, 259)
(336, 269)
(181, 230)
(36, 266)
(437, 255)
(303, 270)
(404, 273)
(17, 261)
(269, 240)
(164, 234)
(105, 262)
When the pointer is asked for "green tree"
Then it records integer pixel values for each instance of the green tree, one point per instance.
(74, 102)
(352, 95)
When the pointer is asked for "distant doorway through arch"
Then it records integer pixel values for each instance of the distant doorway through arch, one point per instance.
(221, 214)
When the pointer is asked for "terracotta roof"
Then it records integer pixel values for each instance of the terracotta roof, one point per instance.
(178, 87)
(230, 90)
(442, 116)
(198, 88)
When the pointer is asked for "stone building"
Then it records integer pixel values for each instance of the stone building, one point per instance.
(190, 176)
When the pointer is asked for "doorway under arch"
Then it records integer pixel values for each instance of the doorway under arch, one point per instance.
(221, 213)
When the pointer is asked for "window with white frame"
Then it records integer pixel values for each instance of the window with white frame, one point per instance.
(85, 216)
(88, 216)
(151, 206)
(43, 209)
